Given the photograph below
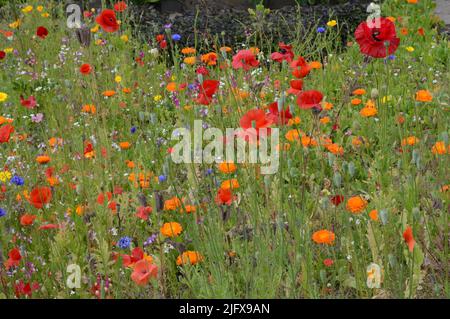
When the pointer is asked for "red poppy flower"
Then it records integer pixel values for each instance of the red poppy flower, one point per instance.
(377, 40)
(309, 99)
(85, 69)
(5, 133)
(27, 220)
(14, 258)
(101, 197)
(202, 70)
(159, 38)
(48, 226)
(136, 255)
(42, 32)
(278, 117)
(120, 6)
(207, 90)
(163, 44)
(107, 20)
(328, 262)
(296, 87)
(285, 53)
(22, 289)
(143, 212)
(2, 55)
(301, 68)
(40, 196)
(409, 238)
(143, 271)
(29, 103)
(224, 197)
(337, 200)
(244, 59)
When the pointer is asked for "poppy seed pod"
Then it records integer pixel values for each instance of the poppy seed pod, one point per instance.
(84, 36)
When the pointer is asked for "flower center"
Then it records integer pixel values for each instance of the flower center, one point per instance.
(375, 35)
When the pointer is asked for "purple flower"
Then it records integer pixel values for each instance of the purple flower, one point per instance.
(37, 118)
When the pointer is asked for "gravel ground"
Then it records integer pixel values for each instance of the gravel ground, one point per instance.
(232, 25)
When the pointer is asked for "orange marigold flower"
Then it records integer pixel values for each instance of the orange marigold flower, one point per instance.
(335, 149)
(172, 229)
(89, 108)
(356, 101)
(187, 51)
(373, 214)
(190, 60)
(109, 93)
(171, 87)
(189, 257)
(327, 106)
(230, 183)
(315, 65)
(227, 167)
(125, 145)
(359, 92)
(172, 203)
(225, 49)
(356, 204)
(190, 209)
(324, 237)
(43, 159)
(308, 141)
(368, 111)
(209, 58)
(439, 148)
(424, 96)
(410, 140)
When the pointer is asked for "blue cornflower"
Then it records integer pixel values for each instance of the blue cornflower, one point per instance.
(2, 212)
(209, 171)
(133, 130)
(321, 29)
(19, 181)
(391, 57)
(176, 37)
(162, 178)
(124, 242)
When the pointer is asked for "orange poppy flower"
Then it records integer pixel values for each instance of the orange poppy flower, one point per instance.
(324, 237)
(27, 219)
(315, 65)
(356, 204)
(40, 196)
(171, 87)
(189, 257)
(89, 108)
(373, 214)
(172, 229)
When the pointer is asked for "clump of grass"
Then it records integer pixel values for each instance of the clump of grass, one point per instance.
(101, 142)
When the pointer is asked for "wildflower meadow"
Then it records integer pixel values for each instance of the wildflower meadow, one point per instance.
(134, 167)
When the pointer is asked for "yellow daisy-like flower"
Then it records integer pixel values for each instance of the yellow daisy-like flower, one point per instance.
(40, 8)
(27, 9)
(124, 38)
(331, 23)
(118, 79)
(157, 98)
(3, 97)
(15, 24)
(5, 176)
(410, 49)
(95, 29)
(45, 15)
(9, 50)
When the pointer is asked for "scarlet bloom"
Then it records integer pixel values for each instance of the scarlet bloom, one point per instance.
(409, 238)
(29, 103)
(301, 68)
(42, 32)
(378, 38)
(207, 90)
(136, 255)
(27, 220)
(285, 53)
(85, 69)
(40, 196)
(244, 59)
(224, 197)
(280, 117)
(2, 55)
(120, 6)
(14, 258)
(143, 212)
(143, 271)
(256, 119)
(296, 87)
(107, 20)
(309, 99)
(5, 133)
(337, 200)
